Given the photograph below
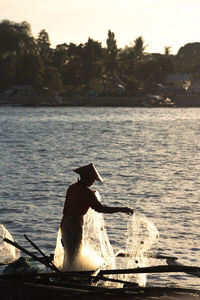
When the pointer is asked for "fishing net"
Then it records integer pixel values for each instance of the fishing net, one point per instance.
(97, 253)
(96, 250)
(96, 238)
(23, 265)
(8, 253)
(140, 236)
(59, 252)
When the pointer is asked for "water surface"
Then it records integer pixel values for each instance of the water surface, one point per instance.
(148, 157)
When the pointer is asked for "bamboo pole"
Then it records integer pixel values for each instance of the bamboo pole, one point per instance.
(154, 269)
(49, 262)
(148, 255)
(147, 270)
(171, 262)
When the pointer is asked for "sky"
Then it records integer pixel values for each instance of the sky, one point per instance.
(161, 23)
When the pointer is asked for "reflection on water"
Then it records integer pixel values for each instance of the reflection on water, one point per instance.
(149, 159)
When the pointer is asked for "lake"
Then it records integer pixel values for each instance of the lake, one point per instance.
(148, 157)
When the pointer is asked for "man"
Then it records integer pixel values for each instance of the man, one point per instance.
(79, 198)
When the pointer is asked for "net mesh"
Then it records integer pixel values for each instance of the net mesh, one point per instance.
(96, 250)
(141, 234)
(97, 253)
(8, 253)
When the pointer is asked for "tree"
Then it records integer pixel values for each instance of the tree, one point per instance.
(7, 71)
(167, 50)
(43, 41)
(44, 49)
(60, 56)
(52, 80)
(195, 70)
(72, 70)
(189, 53)
(127, 61)
(51, 73)
(16, 42)
(16, 38)
(139, 47)
(111, 54)
(29, 70)
(91, 61)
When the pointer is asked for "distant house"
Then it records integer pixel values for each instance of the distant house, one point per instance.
(22, 90)
(179, 80)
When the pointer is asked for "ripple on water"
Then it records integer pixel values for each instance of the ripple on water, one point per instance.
(149, 159)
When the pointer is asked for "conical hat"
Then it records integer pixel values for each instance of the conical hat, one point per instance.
(89, 171)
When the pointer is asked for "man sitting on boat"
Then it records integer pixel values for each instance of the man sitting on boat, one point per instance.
(79, 198)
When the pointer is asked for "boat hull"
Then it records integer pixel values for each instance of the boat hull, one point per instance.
(17, 290)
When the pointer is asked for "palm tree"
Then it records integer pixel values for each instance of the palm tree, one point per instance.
(139, 47)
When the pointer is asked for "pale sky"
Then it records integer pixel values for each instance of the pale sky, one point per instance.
(171, 23)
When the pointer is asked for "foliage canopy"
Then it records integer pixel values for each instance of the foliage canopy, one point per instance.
(77, 69)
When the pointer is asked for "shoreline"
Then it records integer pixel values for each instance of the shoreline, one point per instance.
(119, 101)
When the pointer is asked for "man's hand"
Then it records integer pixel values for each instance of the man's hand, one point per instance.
(129, 211)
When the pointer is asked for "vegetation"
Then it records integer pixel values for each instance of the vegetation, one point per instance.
(77, 69)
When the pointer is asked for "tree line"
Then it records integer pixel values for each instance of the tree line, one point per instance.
(77, 69)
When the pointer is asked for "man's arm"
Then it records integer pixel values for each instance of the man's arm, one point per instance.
(111, 210)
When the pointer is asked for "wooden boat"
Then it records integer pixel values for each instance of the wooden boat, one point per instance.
(83, 285)
(44, 288)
